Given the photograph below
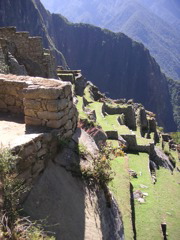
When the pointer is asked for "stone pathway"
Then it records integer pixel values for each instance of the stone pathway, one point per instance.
(9, 130)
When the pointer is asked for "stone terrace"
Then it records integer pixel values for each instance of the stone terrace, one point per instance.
(42, 102)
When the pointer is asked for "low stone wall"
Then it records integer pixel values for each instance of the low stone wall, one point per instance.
(28, 51)
(11, 97)
(34, 152)
(131, 141)
(130, 119)
(43, 102)
(133, 146)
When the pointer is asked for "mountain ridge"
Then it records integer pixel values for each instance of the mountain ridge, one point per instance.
(112, 61)
(140, 21)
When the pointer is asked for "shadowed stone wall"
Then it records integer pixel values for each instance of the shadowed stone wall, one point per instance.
(28, 52)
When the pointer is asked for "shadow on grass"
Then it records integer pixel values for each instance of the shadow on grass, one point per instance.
(133, 211)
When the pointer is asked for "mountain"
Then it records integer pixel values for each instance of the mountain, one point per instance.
(166, 10)
(112, 61)
(154, 23)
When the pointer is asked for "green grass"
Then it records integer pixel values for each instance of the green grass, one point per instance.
(112, 120)
(115, 105)
(87, 94)
(120, 187)
(79, 105)
(162, 203)
(108, 122)
(141, 140)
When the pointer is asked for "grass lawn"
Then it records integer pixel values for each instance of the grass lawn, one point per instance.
(87, 94)
(161, 204)
(120, 187)
(108, 122)
(79, 105)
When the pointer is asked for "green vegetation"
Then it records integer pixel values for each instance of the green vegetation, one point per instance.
(161, 204)
(120, 187)
(174, 87)
(87, 94)
(100, 172)
(108, 122)
(82, 114)
(176, 137)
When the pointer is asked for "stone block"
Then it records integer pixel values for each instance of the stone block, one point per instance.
(71, 113)
(68, 125)
(28, 151)
(63, 104)
(33, 121)
(42, 152)
(38, 167)
(68, 134)
(9, 100)
(25, 163)
(42, 92)
(50, 115)
(64, 120)
(47, 137)
(2, 96)
(19, 103)
(67, 90)
(2, 104)
(12, 91)
(2, 89)
(30, 112)
(38, 145)
(52, 105)
(32, 104)
(54, 124)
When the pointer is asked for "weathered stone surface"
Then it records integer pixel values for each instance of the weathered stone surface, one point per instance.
(81, 137)
(9, 100)
(38, 167)
(68, 125)
(112, 134)
(52, 105)
(28, 103)
(30, 112)
(29, 150)
(64, 120)
(19, 103)
(67, 90)
(98, 135)
(42, 152)
(50, 115)
(68, 134)
(2, 104)
(32, 121)
(62, 104)
(44, 93)
(54, 123)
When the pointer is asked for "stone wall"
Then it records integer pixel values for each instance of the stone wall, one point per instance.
(28, 51)
(43, 102)
(128, 111)
(34, 152)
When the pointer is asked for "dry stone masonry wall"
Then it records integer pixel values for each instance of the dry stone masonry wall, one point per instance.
(43, 102)
(28, 52)
(34, 152)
